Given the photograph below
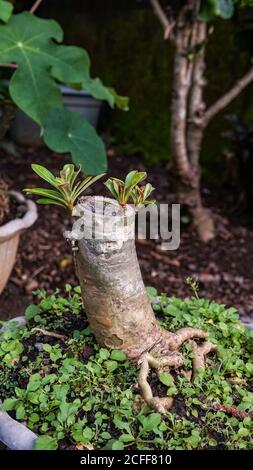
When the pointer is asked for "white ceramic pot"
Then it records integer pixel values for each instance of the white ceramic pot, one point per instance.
(9, 236)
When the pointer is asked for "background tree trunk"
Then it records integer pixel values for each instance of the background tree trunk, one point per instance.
(187, 116)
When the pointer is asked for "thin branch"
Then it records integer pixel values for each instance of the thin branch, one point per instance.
(160, 13)
(226, 99)
(35, 6)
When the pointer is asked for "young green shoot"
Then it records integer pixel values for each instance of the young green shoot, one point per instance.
(130, 189)
(66, 189)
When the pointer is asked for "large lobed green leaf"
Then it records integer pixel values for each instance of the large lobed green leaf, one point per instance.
(101, 92)
(6, 9)
(66, 131)
(31, 43)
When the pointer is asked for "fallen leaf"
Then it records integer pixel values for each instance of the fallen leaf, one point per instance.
(65, 262)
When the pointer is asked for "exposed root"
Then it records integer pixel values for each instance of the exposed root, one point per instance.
(165, 355)
(232, 410)
(52, 334)
(200, 353)
(185, 334)
(174, 359)
(156, 403)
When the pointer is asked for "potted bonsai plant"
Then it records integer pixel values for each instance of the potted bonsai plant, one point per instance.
(86, 391)
(113, 293)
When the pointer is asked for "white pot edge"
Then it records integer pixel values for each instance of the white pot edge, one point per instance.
(17, 225)
(14, 435)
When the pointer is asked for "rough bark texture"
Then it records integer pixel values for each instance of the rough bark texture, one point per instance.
(114, 296)
(188, 115)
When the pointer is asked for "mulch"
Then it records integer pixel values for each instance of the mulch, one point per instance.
(223, 267)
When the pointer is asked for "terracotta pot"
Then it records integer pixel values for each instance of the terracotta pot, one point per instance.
(9, 236)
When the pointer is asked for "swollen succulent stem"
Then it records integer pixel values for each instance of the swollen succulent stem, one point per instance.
(114, 296)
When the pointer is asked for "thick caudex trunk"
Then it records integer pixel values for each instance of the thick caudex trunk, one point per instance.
(114, 296)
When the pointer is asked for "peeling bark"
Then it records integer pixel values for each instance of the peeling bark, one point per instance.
(114, 296)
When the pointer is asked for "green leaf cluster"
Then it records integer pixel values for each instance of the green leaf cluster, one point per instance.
(130, 189)
(66, 188)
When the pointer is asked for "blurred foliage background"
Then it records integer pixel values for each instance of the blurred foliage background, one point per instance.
(128, 52)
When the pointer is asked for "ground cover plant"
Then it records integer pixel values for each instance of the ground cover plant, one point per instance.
(74, 394)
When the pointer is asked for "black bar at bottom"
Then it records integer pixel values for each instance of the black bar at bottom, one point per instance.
(111, 459)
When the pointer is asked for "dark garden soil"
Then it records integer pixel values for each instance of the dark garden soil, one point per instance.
(223, 267)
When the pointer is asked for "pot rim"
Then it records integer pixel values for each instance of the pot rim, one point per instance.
(15, 226)
(14, 434)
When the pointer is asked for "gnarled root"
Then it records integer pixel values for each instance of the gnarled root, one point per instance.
(171, 358)
(199, 354)
(185, 334)
(174, 359)
(156, 403)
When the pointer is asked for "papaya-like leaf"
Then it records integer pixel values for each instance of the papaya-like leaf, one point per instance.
(98, 90)
(101, 92)
(32, 44)
(66, 131)
(6, 9)
(122, 102)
